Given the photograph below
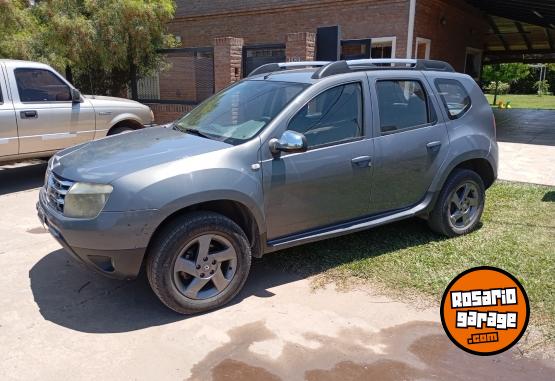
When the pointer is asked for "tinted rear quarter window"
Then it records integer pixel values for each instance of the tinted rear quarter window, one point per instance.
(454, 96)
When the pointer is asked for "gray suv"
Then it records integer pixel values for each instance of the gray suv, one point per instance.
(295, 153)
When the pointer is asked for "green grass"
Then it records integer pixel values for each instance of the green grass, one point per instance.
(518, 235)
(546, 102)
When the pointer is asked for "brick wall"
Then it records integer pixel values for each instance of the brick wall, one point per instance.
(300, 46)
(463, 26)
(357, 18)
(228, 53)
(165, 113)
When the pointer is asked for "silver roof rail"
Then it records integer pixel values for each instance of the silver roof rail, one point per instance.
(381, 61)
(272, 67)
(342, 67)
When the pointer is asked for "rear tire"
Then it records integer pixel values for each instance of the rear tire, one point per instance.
(199, 262)
(460, 204)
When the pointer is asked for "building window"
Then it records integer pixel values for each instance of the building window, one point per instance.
(383, 47)
(422, 49)
(473, 63)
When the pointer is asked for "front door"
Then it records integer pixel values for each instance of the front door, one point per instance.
(331, 182)
(411, 142)
(47, 118)
(8, 128)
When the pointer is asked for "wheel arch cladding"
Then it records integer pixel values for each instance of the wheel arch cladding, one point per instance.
(235, 210)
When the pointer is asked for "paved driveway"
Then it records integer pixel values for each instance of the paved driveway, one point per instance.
(59, 321)
(526, 145)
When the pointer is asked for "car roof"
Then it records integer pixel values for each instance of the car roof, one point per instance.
(305, 75)
(20, 63)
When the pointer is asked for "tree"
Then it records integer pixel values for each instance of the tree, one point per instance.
(508, 73)
(16, 29)
(105, 45)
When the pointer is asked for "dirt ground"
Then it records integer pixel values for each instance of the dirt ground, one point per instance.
(60, 321)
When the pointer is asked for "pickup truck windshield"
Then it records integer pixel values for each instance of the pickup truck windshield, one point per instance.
(240, 112)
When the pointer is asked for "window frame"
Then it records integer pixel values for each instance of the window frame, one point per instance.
(41, 69)
(444, 102)
(331, 144)
(430, 109)
(381, 40)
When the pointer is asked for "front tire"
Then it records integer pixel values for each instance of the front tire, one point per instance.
(199, 262)
(120, 130)
(460, 205)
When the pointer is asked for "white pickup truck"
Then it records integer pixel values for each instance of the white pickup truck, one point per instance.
(41, 112)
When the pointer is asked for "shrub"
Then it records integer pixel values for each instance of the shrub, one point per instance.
(502, 88)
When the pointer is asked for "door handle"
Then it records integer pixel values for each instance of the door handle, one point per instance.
(362, 161)
(433, 146)
(29, 114)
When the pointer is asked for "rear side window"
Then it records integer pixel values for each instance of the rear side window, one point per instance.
(39, 85)
(454, 96)
(332, 117)
(403, 104)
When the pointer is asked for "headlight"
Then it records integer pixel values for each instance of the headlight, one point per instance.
(48, 170)
(86, 200)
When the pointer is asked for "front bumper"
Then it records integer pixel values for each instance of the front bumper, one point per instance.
(113, 244)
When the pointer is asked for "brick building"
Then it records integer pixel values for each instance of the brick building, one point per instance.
(223, 40)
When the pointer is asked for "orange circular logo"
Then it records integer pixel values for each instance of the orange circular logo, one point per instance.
(485, 311)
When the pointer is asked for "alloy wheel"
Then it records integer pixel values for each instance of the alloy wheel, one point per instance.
(205, 266)
(464, 205)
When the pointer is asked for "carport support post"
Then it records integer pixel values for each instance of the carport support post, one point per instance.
(228, 61)
(300, 46)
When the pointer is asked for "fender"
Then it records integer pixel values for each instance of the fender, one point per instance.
(117, 119)
(448, 167)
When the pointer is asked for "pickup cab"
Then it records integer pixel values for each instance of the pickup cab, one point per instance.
(41, 112)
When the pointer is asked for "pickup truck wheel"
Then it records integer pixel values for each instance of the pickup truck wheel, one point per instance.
(199, 262)
(120, 130)
(460, 204)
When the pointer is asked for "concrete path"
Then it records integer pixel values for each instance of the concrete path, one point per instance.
(60, 321)
(526, 145)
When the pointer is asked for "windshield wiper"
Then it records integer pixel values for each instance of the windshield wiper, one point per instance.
(192, 131)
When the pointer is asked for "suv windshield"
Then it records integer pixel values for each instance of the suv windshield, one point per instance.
(238, 113)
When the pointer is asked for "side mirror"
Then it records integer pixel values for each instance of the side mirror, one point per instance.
(75, 96)
(290, 141)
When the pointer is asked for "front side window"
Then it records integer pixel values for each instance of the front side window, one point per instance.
(238, 113)
(454, 96)
(403, 105)
(332, 117)
(39, 85)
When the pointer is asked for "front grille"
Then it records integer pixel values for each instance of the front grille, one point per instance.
(56, 191)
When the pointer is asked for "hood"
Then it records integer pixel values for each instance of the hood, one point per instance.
(105, 160)
(100, 100)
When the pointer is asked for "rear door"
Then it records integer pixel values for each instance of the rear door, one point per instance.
(47, 118)
(411, 140)
(8, 127)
